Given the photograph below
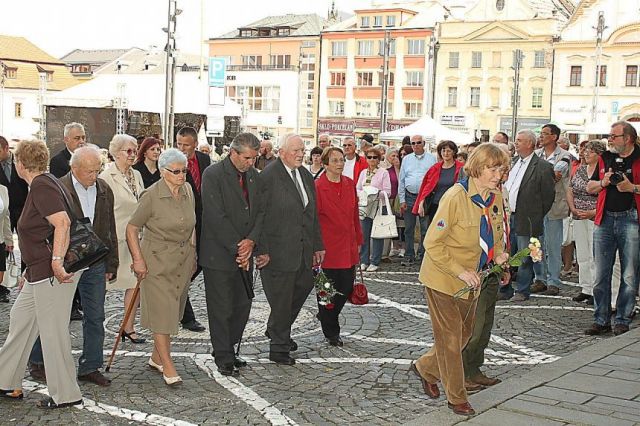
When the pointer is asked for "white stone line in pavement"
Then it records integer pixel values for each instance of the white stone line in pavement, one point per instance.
(396, 361)
(543, 296)
(390, 341)
(125, 413)
(400, 306)
(553, 308)
(395, 282)
(523, 349)
(246, 394)
(396, 273)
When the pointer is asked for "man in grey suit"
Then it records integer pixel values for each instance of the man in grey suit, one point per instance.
(531, 187)
(232, 217)
(291, 238)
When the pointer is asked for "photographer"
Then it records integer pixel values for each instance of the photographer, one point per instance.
(617, 183)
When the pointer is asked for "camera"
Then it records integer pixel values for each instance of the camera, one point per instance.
(618, 171)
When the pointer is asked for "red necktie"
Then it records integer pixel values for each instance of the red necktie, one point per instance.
(245, 191)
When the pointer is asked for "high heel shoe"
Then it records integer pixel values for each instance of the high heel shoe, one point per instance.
(154, 365)
(134, 340)
(172, 381)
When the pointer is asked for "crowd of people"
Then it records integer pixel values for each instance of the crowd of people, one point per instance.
(167, 215)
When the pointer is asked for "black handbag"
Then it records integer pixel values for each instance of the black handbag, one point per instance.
(85, 247)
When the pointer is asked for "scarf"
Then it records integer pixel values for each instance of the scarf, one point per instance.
(486, 230)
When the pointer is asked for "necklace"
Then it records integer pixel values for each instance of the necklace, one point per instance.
(129, 179)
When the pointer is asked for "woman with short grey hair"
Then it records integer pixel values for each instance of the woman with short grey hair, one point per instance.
(127, 185)
(166, 258)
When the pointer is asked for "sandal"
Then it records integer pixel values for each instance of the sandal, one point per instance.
(11, 394)
(50, 404)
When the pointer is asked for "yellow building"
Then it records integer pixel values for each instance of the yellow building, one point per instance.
(474, 84)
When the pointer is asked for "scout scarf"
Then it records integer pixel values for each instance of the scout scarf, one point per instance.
(486, 230)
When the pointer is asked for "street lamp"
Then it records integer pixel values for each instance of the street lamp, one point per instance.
(170, 73)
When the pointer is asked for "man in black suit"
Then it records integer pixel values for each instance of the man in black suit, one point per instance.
(74, 137)
(233, 217)
(187, 141)
(17, 189)
(531, 187)
(291, 238)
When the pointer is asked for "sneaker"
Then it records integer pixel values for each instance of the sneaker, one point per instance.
(401, 253)
(538, 287)
(372, 268)
(519, 297)
(580, 297)
(393, 252)
(552, 290)
(364, 266)
(407, 262)
(597, 329)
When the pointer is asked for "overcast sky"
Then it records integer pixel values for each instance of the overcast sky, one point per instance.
(59, 26)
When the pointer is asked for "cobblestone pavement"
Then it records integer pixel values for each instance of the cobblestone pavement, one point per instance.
(366, 381)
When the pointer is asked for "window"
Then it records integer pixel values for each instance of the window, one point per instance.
(338, 78)
(391, 20)
(476, 59)
(536, 98)
(11, 73)
(338, 48)
(392, 47)
(494, 94)
(280, 61)
(365, 48)
(49, 76)
(415, 47)
(381, 78)
(364, 21)
(475, 97)
(17, 110)
(413, 109)
(365, 79)
(511, 101)
(81, 68)
(452, 96)
(251, 61)
(308, 43)
(496, 59)
(576, 76)
(379, 109)
(415, 78)
(284, 31)
(454, 59)
(631, 79)
(602, 76)
(256, 98)
(538, 59)
(336, 108)
(363, 109)
(377, 21)
(499, 4)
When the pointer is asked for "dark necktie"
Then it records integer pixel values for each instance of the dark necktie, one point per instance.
(295, 181)
(245, 191)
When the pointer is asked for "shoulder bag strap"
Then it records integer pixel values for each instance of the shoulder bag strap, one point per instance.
(64, 195)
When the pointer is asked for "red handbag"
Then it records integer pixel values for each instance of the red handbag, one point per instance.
(359, 295)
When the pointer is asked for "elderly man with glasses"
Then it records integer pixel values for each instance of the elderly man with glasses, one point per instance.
(353, 163)
(414, 167)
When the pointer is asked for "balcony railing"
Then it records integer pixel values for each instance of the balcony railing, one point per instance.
(262, 68)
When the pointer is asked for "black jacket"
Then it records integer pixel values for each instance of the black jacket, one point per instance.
(18, 190)
(204, 161)
(535, 197)
(59, 164)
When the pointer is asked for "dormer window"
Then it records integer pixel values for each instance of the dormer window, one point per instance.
(364, 22)
(499, 4)
(11, 73)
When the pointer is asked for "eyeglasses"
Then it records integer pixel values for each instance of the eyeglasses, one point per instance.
(372, 157)
(416, 143)
(178, 171)
(615, 136)
(130, 151)
(347, 145)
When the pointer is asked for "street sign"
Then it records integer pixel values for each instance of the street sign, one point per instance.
(217, 70)
(614, 107)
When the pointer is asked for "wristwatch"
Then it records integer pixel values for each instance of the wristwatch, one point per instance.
(635, 189)
(54, 258)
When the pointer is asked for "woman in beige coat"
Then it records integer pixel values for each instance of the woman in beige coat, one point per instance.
(7, 236)
(127, 186)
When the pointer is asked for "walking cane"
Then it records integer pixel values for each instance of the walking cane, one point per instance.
(255, 276)
(127, 314)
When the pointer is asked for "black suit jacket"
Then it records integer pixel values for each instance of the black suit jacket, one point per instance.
(59, 164)
(535, 197)
(18, 190)
(204, 161)
(104, 223)
(291, 232)
(226, 217)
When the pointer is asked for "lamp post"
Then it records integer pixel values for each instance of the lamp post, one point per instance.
(170, 73)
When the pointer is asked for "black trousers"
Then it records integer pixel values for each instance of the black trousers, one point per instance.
(286, 293)
(343, 282)
(188, 314)
(228, 308)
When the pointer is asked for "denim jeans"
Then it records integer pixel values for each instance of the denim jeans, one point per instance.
(552, 249)
(410, 227)
(376, 246)
(528, 269)
(618, 231)
(92, 287)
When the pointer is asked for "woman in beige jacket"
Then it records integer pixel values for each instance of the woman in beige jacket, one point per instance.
(7, 236)
(127, 186)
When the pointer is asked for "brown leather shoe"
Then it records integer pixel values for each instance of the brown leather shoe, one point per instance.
(483, 380)
(619, 329)
(464, 409)
(551, 290)
(431, 389)
(37, 371)
(95, 377)
(538, 287)
(597, 329)
(472, 387)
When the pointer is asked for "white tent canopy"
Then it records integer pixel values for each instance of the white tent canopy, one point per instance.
(430, 129)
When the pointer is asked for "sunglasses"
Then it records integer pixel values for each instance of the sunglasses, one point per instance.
(130, 151)
(178, 171)
(416, 143)
(372, 157)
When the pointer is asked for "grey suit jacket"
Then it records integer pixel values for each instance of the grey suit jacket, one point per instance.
(535, 197)
(226, 217)
(291, 232)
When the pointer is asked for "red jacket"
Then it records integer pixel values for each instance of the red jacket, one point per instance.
(430, 181)
(602, 195)
(339, 222)
(361, 164)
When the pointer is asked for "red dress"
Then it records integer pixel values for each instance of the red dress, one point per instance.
(337, 205)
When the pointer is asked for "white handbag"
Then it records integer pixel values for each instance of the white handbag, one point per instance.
(12, 273)
(384, 225)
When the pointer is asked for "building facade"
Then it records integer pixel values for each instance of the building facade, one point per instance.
(576, 71)
(352, 65)
(476, 58)
(272, 72)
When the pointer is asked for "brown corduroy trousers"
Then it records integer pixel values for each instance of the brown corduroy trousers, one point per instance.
(452, 322)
